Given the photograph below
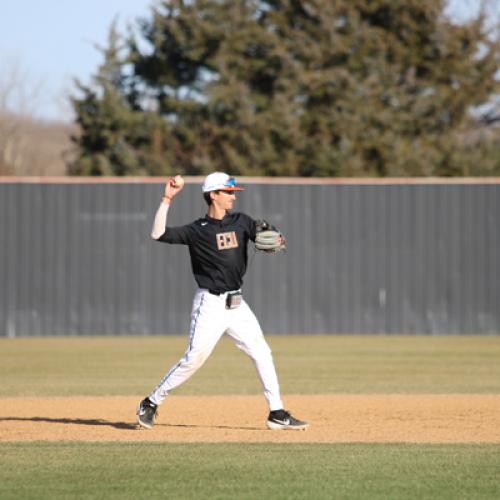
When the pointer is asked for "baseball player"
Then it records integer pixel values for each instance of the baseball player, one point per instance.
(218, 248)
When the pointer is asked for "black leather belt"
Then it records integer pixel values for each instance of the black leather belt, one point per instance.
(213, 292)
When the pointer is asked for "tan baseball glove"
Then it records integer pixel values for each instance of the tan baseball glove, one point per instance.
(268, 238)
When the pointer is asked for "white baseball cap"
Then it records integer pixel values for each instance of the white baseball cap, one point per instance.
(219, 181)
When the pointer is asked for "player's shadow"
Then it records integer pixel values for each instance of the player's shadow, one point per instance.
(229, 427)
(120, 425)
(76, 421)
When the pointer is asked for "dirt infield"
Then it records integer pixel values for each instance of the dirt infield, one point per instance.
(333, 419)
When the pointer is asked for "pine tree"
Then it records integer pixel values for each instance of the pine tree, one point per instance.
(115, 138)
(291, 87)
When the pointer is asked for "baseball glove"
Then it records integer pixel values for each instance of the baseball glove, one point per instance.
(268, 238)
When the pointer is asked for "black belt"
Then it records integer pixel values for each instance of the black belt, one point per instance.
(214, 292)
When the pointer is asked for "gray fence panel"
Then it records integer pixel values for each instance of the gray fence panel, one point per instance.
(77, 258)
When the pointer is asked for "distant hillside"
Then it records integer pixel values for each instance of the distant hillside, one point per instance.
(34, 147)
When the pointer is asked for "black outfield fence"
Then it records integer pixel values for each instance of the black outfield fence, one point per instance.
(364, 256)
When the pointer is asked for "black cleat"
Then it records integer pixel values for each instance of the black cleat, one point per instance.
(146, 413)
(282, 419)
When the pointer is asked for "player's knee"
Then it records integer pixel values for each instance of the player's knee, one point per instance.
(259, 350)
(195, 360)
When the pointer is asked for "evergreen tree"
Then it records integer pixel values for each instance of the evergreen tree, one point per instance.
(116, 137)
(291, 87)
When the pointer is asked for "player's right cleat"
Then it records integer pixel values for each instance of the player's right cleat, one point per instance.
(146, 413)
(282, 419)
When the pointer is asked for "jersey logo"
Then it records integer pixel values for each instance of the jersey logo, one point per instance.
(225, 241)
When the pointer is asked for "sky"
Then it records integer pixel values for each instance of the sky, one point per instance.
(45, 44)
(48, 43)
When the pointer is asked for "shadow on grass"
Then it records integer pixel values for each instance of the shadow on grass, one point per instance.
(78, 421)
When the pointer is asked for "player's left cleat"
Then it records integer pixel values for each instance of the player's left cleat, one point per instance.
(146, 413)
(282, 419)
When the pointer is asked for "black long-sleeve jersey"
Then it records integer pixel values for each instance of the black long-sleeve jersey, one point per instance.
(218, 249)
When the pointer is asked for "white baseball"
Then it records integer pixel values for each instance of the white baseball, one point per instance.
(178, 181)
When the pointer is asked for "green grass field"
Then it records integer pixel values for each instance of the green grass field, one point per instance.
(192, 471)
(307, 365)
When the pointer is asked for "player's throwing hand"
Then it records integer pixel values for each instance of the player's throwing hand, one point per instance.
(173, 186)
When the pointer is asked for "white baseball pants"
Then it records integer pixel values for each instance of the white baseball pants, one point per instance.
(209, 321)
